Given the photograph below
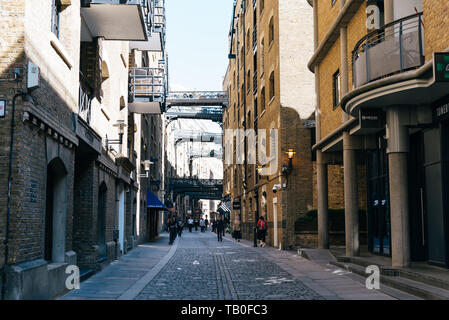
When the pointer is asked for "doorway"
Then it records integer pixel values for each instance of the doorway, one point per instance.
(379, 228)
(101, 222)
(55, 212)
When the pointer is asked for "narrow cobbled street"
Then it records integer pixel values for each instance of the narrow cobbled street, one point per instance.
(197, 267)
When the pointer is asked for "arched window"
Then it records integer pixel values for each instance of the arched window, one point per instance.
(262, 99)
(271, 31)
(272, 88)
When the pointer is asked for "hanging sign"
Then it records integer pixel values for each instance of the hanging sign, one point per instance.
(2, 108)
(441, 109)
(441, 66)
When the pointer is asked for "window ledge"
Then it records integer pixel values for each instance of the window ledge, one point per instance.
(262, 113)
(271, 101)
(60, 50)
(271, 45)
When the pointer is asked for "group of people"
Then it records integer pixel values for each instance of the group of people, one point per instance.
(176, 225)
(261, 229)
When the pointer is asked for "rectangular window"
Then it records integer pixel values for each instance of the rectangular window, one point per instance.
(56, 17)
(336, 85)
(272, 88)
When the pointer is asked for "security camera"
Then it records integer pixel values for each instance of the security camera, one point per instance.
(274, 189)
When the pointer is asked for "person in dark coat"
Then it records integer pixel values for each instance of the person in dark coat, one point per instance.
(173, 228)
(220, 229)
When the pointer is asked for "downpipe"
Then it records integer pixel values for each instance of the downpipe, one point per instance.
(8, 213)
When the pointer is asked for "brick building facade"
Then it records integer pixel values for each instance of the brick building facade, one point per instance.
(270, 90)
(73, 200)
(378, 95)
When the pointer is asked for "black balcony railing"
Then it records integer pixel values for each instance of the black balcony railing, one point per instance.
(86, 94)
(254, 37)
(255, 82)
(147, 83)
(394, 48)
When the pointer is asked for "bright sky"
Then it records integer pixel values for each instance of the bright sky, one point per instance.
(197, 43)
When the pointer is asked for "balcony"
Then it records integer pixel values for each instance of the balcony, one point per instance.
(147, 90)
(85, 99)
(255, 38)
(255, 83)
(155, 28)
(115, 19)
(395, 48)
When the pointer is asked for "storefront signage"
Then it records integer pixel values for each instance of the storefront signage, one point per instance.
(441, 109)
(372, 118)
(236, 205)
(2, 108)
(441, 66)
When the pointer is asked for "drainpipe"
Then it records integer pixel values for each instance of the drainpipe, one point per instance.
(8, 213)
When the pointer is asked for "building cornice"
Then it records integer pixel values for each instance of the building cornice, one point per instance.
(342, 20)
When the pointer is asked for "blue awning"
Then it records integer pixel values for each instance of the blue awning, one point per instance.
(153, 202)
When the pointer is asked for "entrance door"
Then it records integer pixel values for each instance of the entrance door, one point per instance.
(379, 229)
(101, 223)
(418, 234)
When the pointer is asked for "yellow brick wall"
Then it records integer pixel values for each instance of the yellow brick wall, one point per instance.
(356, 31)
(330, 119)
(436, 26)
(326, 16)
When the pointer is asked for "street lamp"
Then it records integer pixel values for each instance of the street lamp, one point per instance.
(146, 164)
(120, 125)
(287, 169)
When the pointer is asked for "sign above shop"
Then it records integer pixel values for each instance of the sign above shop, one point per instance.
(2, 108)
(441, 109)
(372, 118)
(236, 205)
(441, 66)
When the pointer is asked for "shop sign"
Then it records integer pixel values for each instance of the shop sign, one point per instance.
(2, 108)
(441, 66)
(372, 118)
(236, 205)
(441, 109)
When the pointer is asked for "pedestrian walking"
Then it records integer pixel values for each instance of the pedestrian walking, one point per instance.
(173, 225)
(214, 225)
(262, 228)
(220, 229)
(202, 224)
(196, 224)
(190, 224)
(180, 227)
(206, 222)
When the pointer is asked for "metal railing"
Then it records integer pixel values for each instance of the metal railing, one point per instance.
(86, 95)
(254, 37)
(394, 48)
(147, 83)
(255, 82)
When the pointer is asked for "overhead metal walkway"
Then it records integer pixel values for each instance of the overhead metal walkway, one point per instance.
(197, 98)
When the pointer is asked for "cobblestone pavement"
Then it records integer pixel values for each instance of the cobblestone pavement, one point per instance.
(197, 267)
(205, 269)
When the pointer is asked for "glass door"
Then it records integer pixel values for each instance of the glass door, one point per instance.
(379, 229)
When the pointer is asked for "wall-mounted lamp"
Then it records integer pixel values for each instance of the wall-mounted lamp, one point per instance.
(287, 169)
(147, 164)
(120, 125)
